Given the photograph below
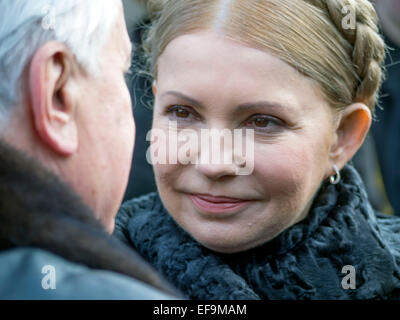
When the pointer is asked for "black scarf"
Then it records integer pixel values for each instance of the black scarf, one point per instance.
(38, 210)
(303, 262)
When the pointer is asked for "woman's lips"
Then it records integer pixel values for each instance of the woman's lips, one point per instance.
(213, 204)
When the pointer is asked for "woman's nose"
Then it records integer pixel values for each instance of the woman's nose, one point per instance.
(217, 157)
(217, 171)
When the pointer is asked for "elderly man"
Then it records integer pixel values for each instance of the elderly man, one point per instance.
(66, 141)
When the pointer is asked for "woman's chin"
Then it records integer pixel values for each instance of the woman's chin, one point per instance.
(223, 245)
(225, 249)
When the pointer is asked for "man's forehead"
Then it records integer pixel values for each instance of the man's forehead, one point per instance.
(128, 51)
(130, 47)
(123, 42)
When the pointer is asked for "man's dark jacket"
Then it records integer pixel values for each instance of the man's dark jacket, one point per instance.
(52, 247)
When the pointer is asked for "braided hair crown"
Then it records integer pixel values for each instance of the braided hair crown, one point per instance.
(368, 46)
(344, 59)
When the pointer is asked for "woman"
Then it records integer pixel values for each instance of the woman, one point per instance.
(304, 77)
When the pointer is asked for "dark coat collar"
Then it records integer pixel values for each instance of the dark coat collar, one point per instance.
(303, 262)
(38, 210)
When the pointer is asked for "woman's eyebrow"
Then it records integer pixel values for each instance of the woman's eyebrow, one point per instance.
(248, 106)
(182, 96)
(260, 105)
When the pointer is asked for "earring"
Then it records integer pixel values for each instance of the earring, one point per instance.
(335, 179)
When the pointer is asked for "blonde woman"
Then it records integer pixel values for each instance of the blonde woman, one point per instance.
(303, 75)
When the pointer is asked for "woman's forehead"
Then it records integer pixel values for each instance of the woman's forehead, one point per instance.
(209, 66)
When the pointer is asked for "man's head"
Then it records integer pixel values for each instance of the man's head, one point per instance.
(63, 97)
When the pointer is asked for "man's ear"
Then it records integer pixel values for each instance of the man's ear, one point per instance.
(52, 98)
(352, 130)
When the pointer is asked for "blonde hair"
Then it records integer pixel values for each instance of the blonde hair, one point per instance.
(309, 35)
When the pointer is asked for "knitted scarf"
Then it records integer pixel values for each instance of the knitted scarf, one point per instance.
(303, 262)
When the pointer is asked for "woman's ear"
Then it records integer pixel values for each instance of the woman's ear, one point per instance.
(52, 102)
(351, 132)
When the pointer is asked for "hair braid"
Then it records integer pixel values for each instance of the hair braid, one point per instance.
(368, 46)
(155, 7)
(310, 35)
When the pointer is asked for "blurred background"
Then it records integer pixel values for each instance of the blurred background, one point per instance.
(378, 161)
(141, 177)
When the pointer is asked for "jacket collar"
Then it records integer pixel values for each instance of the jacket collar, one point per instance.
(38, 210)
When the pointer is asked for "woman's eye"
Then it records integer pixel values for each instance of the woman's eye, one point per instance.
(180, 112)
(263, 122)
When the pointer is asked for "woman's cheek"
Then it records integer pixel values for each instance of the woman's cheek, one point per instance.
(283, 172)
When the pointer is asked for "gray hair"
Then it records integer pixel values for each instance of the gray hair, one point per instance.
(25, 25)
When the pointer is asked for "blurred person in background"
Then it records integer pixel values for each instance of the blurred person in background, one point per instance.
(386, 128)
(66, 142)
(141, 180)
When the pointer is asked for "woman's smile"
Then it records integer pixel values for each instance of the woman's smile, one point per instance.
(208, 204)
